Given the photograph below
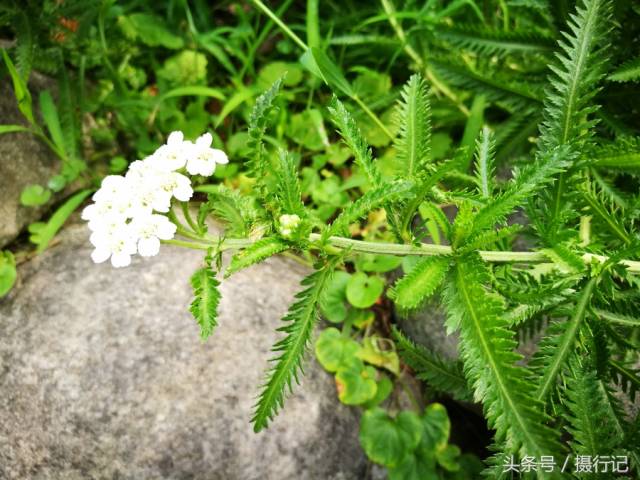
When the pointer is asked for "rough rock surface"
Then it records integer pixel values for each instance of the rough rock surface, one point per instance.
(103, 376)
(426, 327)
(24, 160)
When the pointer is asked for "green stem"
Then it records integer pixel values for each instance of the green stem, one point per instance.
(185, 244)
(390, 10)
(280, 24)
(423, 249)
(187, 216)
(373, 116)
(305, 47)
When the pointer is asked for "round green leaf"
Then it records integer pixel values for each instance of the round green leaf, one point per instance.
(34, 195)
(275, 70)
(385, 387)
(356, 384)
(363, 290)
(415, 467)
(369, 262)
(360, 318)
(436, 428)
(448, 458)
(332, 304)
(57, 183)
(386, 440)
(334, 351)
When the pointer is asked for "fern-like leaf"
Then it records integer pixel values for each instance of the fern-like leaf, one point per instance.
(229, 207)
(589, 420)
(490, 41)
(204, 306)
(420, 283)
(256, 252)
(624, 154)
(629, 71)
(371, 200)
(258, 164)
(490, 363)
(442, 375)
(413, 116)
(526, 182)
(288, 193)
(557, 349)
(574, 79)
(300, 320)
(352, 136)
(608, 216)
(485, 160)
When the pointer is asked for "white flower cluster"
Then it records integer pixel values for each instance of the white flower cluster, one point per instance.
(125, 217)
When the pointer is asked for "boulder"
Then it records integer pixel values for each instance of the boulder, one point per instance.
(426, 327)
(24, 160)
(104, 376)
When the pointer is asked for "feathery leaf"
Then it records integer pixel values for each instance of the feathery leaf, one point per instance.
(256, 252)
(442, 375)
(204, 306)
(300, 320)
(413, 116)
(490, 363)
(352, 136)
(414, 288)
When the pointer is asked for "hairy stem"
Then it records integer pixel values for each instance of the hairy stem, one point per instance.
(423, 249)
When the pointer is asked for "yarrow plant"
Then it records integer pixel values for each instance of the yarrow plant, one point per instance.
(128, 213)
(576, 288)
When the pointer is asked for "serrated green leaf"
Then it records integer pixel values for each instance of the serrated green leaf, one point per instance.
(420, 283)
(299, 323)
(204, 306)
(414, 142)
(256, 252)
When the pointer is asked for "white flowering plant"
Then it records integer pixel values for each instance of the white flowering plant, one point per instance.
(128, 215)
(575, 285)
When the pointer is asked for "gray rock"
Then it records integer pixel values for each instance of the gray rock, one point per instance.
(426, 327)
(24, 160)
(103, 376)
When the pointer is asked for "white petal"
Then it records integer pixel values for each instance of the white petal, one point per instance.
(198, 166)
(219, 156)
(112, 181)
(175, 138)
(100, 255)
(166, 230)
(204, 140)
(89, 212)
(148, 247)
(183, 193)
(120, 260)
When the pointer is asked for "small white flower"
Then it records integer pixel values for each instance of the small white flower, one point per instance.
(109, 187)
(122, 218)
(203, 159)
(174, 154)
(117, 243)
(150, 230)
(288, 224)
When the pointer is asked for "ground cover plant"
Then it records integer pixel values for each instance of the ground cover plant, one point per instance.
(478, 155)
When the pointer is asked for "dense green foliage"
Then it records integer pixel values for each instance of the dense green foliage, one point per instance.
(485, 151)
